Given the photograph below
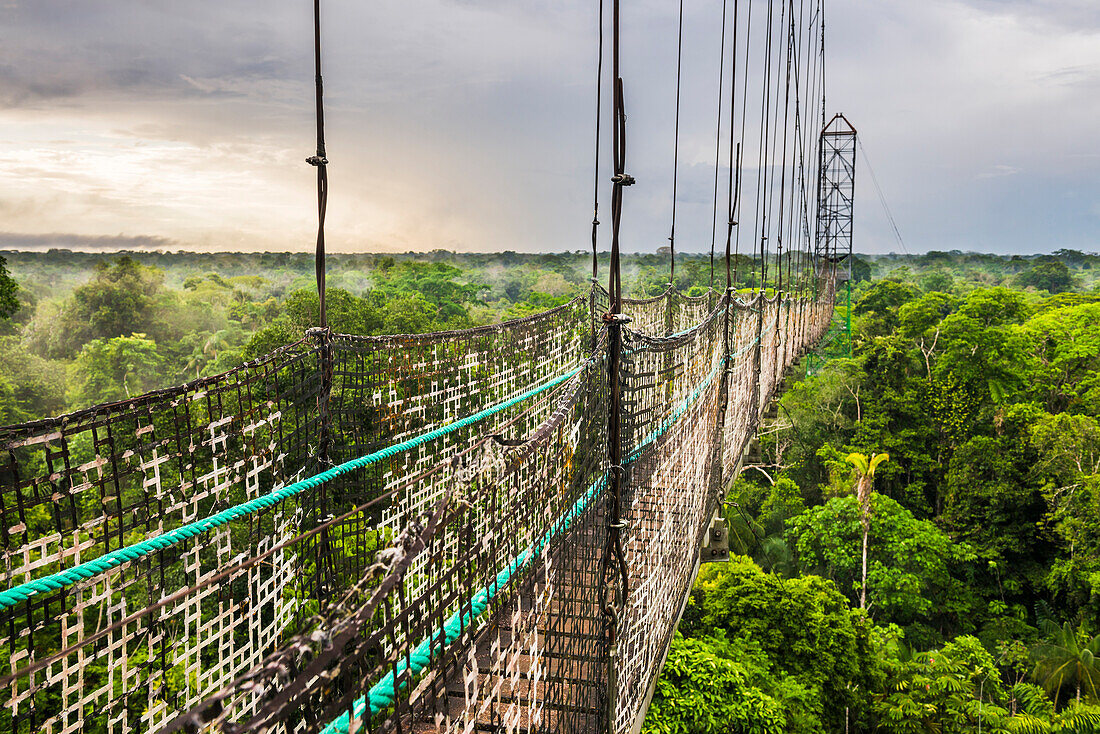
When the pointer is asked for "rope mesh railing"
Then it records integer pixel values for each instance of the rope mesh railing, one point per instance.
(428, 557)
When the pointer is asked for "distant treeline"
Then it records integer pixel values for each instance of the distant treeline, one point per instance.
(80, 328)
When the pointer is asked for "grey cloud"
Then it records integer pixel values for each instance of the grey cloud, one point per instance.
(1071, 15)
(95, 48)
(469, 122)
(70, 241)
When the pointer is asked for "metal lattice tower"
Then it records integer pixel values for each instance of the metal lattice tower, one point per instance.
(836, 195)
(836, 188)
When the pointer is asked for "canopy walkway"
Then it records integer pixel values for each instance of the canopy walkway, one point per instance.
(493, 529)
(398, 532)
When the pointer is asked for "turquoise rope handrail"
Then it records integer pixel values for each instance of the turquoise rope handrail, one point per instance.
(682, 408)
(381, 694)
(89, 569)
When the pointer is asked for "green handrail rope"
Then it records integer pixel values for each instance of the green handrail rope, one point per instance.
(679, 412)
(89, 569)
(381, 694)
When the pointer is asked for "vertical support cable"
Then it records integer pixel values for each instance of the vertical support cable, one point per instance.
(763, 178)
(732, 199)
(762, 185)
(744, 128)
(321, 163)
(676, 151)
(322, 333)
(596, 166)
(718, 141)
(613, 551)
(781, 330)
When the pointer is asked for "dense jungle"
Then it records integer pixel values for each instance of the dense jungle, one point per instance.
(916, 536)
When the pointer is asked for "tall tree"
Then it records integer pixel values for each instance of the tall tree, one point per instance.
(865, 482)
(119, 300)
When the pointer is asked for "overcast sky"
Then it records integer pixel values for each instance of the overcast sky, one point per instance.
(468, 124)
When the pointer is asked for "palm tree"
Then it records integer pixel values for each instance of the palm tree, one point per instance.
(865, 480)
(1069, 656)
(218, 340)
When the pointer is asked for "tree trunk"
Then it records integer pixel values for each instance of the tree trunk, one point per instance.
(863, 592)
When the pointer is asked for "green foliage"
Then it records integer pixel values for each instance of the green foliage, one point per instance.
(910, 560)
(987, 400)
(986, 522)
(804, 627)
(948, 691)
(918, 319)
(115, 369)
(535, 303)
(937, 281)
(784, 501)
(1064, 358)
(1068, 658)
(37, 386)
(1067, 448)
(10, 410)
(703, 691)
(878, 306)
(9, 292)
(1051, 275)
(987, 502)
(120, 299)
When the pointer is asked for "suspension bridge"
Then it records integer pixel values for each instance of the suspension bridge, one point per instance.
(494, 529)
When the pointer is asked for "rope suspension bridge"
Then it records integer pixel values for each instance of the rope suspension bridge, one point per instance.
(478, 530)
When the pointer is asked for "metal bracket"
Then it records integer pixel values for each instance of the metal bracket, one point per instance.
(716, 547)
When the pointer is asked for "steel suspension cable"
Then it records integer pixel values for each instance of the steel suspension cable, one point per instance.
(744, 127)
(822, 14)
(613, 549)
(775, 157)
(761, 171)
(718, 141)
(798, 151)
(811, 143)
(320, 161)
(676, 150)
(783, 153)
(734, 185)
(596, 164)
(800, 134)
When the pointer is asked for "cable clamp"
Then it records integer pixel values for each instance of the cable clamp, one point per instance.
(616, 318)
(622, 179)
(317, 160)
